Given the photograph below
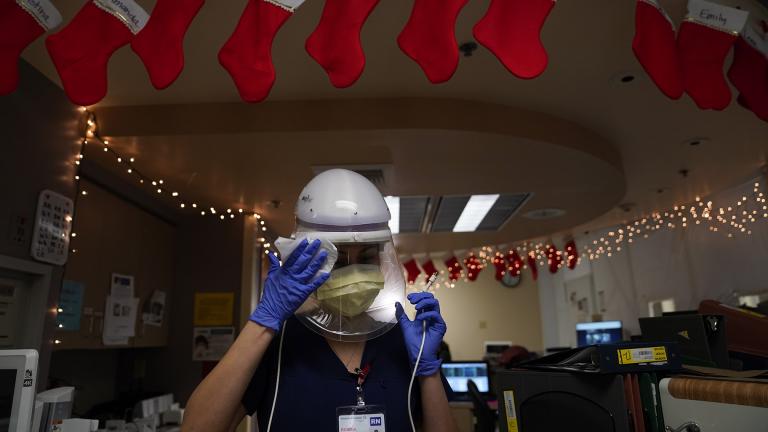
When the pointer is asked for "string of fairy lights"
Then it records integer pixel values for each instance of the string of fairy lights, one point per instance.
(91, 137)
(156, 185)
(734, 220)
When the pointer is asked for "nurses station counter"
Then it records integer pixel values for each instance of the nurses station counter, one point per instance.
(715, 405)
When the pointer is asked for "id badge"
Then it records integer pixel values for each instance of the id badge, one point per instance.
(367, 418)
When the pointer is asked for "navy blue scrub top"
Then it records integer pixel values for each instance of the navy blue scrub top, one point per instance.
(314, 382)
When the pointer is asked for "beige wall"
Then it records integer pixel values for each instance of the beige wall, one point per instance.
(507, 314)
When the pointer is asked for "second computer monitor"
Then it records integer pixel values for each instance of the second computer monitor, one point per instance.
(601, 332)
(458, 375)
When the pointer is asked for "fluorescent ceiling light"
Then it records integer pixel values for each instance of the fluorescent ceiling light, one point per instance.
(474, 212)
(393, 203)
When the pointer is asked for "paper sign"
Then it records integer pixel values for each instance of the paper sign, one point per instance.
(71, 305)
(211, 343)
(214, 309)
(119, 320)
(50, 239)
(122, 286)
(154, 309)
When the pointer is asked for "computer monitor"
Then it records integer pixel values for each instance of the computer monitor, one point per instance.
(601, 332)
(459, 373)
(18, 372)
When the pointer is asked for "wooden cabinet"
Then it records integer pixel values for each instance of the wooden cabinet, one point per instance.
(115, 236)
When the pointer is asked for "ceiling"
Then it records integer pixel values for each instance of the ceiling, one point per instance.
(484, 131)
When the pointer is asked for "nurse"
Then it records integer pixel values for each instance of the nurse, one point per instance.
(329, 347)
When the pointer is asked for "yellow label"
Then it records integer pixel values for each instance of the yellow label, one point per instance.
(642, 355)
(509, 408)
(214, 309)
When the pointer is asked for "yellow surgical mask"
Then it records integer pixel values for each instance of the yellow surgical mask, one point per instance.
(352, 289)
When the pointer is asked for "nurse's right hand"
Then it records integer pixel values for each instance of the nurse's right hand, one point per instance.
(289, 285)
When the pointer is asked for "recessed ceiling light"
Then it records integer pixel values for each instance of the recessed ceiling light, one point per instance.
(474, 212)
(393, 203)
(545, 213)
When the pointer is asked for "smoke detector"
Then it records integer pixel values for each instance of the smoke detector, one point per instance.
(545, 214)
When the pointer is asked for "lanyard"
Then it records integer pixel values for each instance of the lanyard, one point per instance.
(361, 375)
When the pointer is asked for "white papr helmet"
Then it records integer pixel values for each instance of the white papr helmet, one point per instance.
(341, 198)
(348, 213)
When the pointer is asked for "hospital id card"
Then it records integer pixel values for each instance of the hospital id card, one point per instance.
(367, 418)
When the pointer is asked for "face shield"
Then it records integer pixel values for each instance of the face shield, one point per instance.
(357, 302)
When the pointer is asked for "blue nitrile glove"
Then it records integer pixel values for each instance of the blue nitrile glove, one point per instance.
(427, 309)
(289, 285)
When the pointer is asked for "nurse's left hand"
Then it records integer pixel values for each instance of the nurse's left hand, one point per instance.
(427, 310)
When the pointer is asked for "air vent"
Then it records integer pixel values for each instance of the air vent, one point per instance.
(376, 174)
(412, 213)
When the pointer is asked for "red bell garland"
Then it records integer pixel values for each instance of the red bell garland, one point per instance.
(571, 254)
(413, 270)
(500, 264)
(454, 268)
(429, 269)
(531, 260)
(515, 263)
(474, 266)
(554, 258)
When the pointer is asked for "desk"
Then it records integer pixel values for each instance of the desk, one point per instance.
(462, 414)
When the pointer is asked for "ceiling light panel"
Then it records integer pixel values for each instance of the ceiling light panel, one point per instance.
(503, 209)
(474, 212)
(393, 203)
(448, 213)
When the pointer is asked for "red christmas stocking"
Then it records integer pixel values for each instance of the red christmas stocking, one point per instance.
(160, 45)
(749, 72)
(572, 254)
(429, 269)
(515, 263)
(454, 268)
(531, 260)
(81, 50)
(705, 38)
(429, 37)
(247, 55)
(654, 47)
(21, 23)
(335, 43)
(511, 30)
(412, 268)
(500, 264)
